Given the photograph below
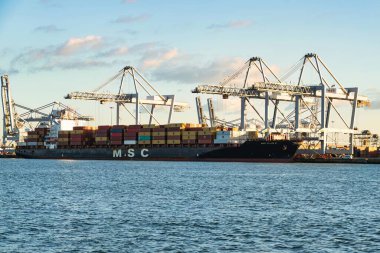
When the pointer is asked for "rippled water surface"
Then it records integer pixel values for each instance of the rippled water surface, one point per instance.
(108, 206)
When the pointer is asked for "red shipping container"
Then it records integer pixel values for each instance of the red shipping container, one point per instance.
(101, 142)
(103, 131)
(175, 137)
(119, 127)
(116, 134)
(205, 137)
(194, 129)
(159, 129)
(159, 138)
(188, 141)
(173, 129)
(134, 127)
(130, 134)
(130, 138)
(205, 141)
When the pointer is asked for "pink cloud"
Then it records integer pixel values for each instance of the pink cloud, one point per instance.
(165, 56)
(75, 44)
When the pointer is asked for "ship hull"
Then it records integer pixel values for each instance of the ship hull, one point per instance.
(250, 151)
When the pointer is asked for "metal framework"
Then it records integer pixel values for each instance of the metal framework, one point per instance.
(141, 87)
(14, 124)
(313, 103)
(10, 129)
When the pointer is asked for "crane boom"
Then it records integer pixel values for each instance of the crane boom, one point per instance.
(9, 114)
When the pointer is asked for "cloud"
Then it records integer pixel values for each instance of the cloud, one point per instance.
(148, 46)
(119, 51)
(48, 29)
(131, 19)
(32, 56)
(9, 71)
(160, 59)
(68, 48)
(75, 44)
(183, 71)
(63, 55)
(69, 65)
(231, 25)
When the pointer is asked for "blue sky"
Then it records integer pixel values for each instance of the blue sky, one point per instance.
(50, 48)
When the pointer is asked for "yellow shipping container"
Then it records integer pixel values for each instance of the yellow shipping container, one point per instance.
(175, 133)
(253, 134)
(149, 126)
(144, 142)
(180, 125)
(158, 142)
(175, 142)
(101, 138)
(145, 134)
(189, 133)
(206, 132)
(64, 132)
(158, 133)
(189, 137)
(194, 125)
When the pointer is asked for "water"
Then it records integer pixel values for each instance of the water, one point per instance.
(109, 206)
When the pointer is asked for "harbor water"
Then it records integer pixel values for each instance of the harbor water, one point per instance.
(124, 206)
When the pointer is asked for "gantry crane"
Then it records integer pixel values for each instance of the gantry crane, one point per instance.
(15, 124)
(278, 90)
(141, 87)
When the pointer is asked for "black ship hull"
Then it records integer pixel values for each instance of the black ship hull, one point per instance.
(250, 151)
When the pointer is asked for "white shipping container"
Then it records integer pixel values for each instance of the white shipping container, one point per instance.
(130, 142)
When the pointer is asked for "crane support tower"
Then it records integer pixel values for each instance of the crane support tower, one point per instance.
(313, 104)
(9, 113)
(51, 115)
(140, 87)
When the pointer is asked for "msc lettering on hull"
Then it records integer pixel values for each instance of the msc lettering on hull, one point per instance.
(131, 153)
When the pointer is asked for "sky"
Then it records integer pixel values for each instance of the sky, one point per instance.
(50, 48)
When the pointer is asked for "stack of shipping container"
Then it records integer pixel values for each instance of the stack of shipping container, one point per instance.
(169, 134)
(131, 134)
(82, 136)
(145, 135)
(190, 135)
(158, 136)
(206, 135)
(117, 135)
(102, 135)
(36, 137)
(64, 138)
(173, 135)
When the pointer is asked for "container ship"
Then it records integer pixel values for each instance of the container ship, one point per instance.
(171, 142)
